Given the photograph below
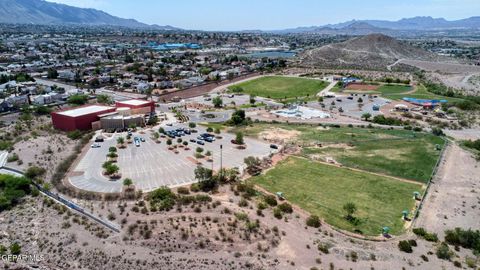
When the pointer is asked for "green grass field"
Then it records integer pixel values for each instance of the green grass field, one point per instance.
(278, 87)
(323, 190)
(399, 153)
(420, 93)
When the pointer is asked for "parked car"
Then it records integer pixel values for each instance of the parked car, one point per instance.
(200, 138)
(208, 139)
(273, 146)
(99, 139)
(142, 139)
(96, 145)
(200, 142)
(193, 140)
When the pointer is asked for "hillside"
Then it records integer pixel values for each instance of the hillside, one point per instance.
(374, 51)
(43, 12)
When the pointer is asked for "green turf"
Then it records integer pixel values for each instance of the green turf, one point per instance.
(420, 93)
(398, 153)
(323, 190)
(393, 89)
(278, 87)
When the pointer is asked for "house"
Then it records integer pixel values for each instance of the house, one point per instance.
(67, 75)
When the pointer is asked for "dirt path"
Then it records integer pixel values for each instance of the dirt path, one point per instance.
(453, 200)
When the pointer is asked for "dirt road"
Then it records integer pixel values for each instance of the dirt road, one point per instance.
(453, 200)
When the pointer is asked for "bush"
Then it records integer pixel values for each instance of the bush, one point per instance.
(444, 252)
(74, 135)
(468, 239)
(270, 200)
(285, 207)
(277, 213)
(405, 246)
(313, 221)
(183, 190)
(324, 247)
(162, 198)
(431, 237)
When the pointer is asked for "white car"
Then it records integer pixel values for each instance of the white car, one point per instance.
(95, 145)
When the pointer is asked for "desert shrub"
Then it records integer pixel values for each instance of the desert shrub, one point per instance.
(277, 213)
(183, 190)
(443, 252)
(270, 200)
(285, 207)
(405, 246)
(468, 239)
(162, 198)
(324, 248)
(313, 221)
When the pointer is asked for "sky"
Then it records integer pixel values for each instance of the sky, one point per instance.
(231, 15)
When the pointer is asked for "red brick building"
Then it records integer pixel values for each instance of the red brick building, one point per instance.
(136, 104)
(80, 118)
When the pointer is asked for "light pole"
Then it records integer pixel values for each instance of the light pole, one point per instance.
(221, 159)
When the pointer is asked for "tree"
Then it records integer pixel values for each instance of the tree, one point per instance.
(120, 140)
(52, 73)
(205, 179)
(111, 169)
(104, 99)
(366, 116)
(350, 208)
(239, 138)
(34, 172)
(127, 182)
(217, 102)
(238, 118)
(360, 100)
(252, 99)
(253, 165)
(78, 99)
(192, 125)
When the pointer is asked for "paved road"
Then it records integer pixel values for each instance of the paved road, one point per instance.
(52, 83)
(3, 158)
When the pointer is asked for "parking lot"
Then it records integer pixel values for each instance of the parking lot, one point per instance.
(152, 165)
(350, 107)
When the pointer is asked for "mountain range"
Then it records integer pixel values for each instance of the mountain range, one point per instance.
(362, 27)
(45, 13)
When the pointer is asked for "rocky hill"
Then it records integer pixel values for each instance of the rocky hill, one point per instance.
(43, 12)
(374, 51)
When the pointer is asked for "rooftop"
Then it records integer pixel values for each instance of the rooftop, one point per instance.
(85, 110)
(134, 102)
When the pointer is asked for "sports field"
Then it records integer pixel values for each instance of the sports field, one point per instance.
(323, 190)
(420, 93)
(278, 87)
(400, 153)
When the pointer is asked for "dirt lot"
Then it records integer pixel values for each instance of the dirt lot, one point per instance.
(200, 236)
(362, 87)
(453, 200)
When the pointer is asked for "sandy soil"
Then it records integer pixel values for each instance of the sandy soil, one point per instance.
(453, 199)
(279, 135)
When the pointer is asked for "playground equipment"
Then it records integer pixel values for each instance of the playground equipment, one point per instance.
(405, 214)
(385, 231)
(280, 196)
(416, 195)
